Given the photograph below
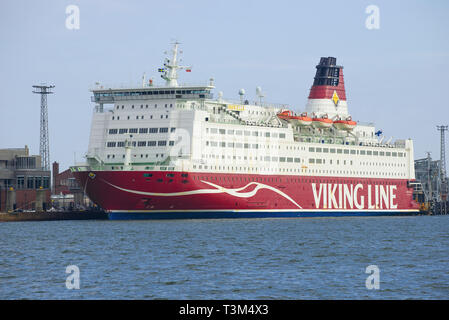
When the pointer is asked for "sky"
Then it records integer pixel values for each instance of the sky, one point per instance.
(396, 76)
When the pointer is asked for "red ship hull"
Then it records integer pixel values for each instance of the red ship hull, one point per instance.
(167, 194)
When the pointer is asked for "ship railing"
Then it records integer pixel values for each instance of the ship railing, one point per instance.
(246, 102)
(138, 86)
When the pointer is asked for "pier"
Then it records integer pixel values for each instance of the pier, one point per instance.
(53, 215)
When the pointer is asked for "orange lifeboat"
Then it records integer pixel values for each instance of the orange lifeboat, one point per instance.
(303, 119)
(286, 115)
(347, 124)
(323, 122)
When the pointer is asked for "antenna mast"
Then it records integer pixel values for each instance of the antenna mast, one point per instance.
(171, 75)
(442, 179)
(44, 147)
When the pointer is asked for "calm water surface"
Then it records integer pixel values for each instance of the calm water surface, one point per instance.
(305, 258)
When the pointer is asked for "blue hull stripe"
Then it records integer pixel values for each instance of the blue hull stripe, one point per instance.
(117, 215)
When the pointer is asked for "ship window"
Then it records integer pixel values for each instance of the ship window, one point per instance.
(213, 130)
(255, 146)
(318, 161)
(394, 154)
(311, 160)
(222, 131)
(311, 149)
(369, 153)
(113, 131)
(289, 159)
(247, 133)
(297, 160)
(231, 144)
(282, 135)
(153, 130)
(325, 150)
(163, 130)
(133, 130)
(111, 144)
(238, 132)
(143, 130)
(282, 159)
(230, 131)
(171, 143)
(142, 144)
(151, 143)
(332, 150)
(318, 149)
(120, 144)
(362, 152)
(162, 143)
(275, 159)
(339, 151)
(172, 129)
(352, 151)
(388, 154)
(267, 158)
(381, 153)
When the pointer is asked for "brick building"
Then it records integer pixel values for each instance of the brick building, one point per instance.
(22, 173)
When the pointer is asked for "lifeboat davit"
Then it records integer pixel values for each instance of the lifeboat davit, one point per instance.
(322, 122)
(347, 124)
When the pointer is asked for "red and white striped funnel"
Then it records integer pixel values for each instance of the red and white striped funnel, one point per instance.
(327, 95)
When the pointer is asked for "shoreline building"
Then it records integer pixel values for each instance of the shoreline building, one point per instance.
(66, 191)
(21, 175)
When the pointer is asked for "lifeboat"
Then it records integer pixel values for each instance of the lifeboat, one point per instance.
(303, 119)
(322, 123)
(286, 115)
(347, 124)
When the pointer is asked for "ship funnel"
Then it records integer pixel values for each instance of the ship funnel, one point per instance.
(328, 94)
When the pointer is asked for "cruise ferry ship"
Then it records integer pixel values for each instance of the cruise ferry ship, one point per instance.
(176, 151)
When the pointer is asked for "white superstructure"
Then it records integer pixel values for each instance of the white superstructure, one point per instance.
(181, 127)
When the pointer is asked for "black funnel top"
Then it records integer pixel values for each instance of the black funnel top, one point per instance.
(327, 72)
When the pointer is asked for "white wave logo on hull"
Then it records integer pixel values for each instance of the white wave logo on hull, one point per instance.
(218, 189)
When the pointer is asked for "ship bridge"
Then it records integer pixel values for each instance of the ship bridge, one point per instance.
(101, 95)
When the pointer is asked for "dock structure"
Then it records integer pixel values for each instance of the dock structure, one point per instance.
(431, 187)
